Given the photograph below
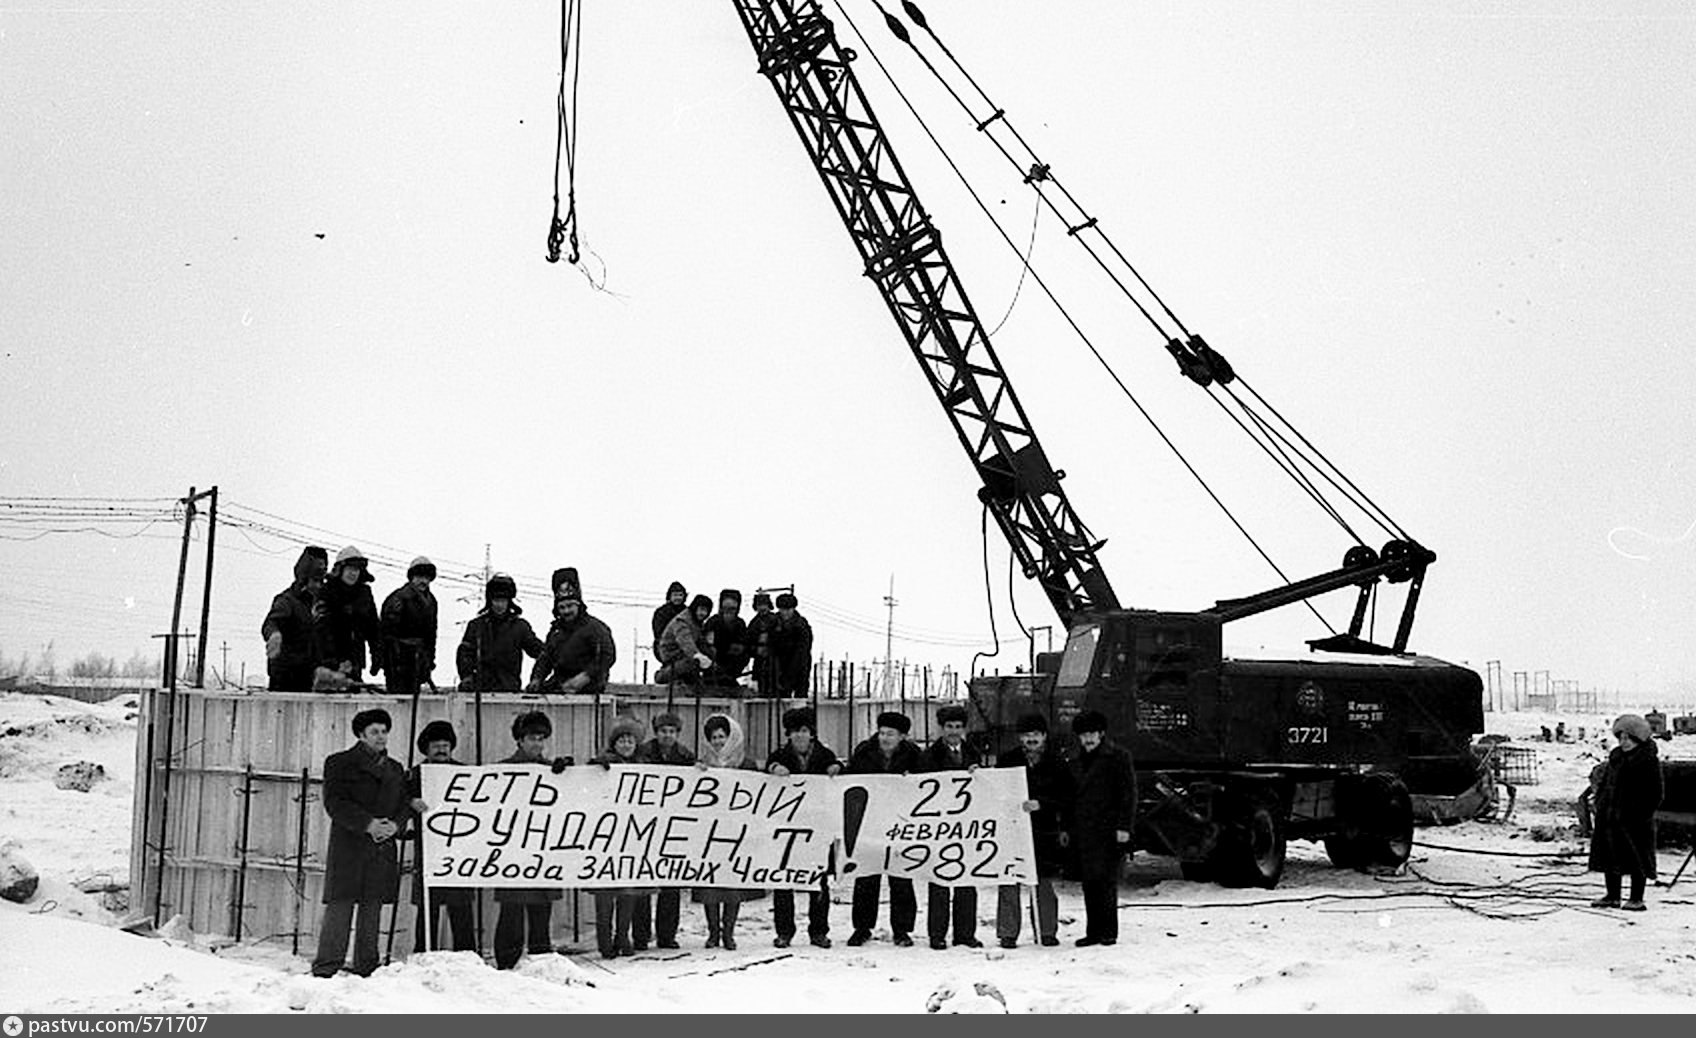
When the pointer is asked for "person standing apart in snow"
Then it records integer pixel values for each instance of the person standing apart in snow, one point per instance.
(1049, 782)
(792, 645)
(801, 754)
(615, 907)
(658, 918)
(1624, 839)
(436, 742)
(349, 624)
(725, 637)
(527, 911)
(579, 652)
(887, 752)
(1104, 812)
(761, 628)
(365, 797)
(681, 652)
(958, 905)
(496, 641)
(408, 625)
(290, 650)
(723, 749)
(675, 596)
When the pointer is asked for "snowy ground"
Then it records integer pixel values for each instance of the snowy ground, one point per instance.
(1488, 918)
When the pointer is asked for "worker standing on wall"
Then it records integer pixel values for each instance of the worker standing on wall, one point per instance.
(408, 625)
(288, 625)
(496, 640)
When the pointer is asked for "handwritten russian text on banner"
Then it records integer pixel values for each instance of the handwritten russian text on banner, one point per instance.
(956, 828)
(507, 825)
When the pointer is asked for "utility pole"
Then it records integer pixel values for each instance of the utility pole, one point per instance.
(487, 572)
(225, 646)
(889, 640)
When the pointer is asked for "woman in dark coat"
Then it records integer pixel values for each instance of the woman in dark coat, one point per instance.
(1624, 839)
(365, 797)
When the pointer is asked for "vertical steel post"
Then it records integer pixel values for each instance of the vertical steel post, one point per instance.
(240, 902)
(300, 855)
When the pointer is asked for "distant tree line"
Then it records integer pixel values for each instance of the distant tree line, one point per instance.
(92, 665)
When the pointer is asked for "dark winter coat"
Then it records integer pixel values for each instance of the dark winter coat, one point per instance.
(679, 755)
(408, 626)
(582, 646)
(1050, 783)
(680, 639)
(291, 617)
(491, 654)
(818, 761)
(664, 614)
(792, 647)
(359, 786)
(761, 629)
(445, 895)
(348, 624)
(1105, 802)
(725, 639)
(1624, 838)
(868, 759)
(527, 895)
(937, 758)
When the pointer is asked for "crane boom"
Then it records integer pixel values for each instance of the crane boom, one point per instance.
(904, 257)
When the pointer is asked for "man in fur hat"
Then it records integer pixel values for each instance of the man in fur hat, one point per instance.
(290, 654)
(436, 742)
(526, 917)
(1048, 781)
(952, 905)
(496, 641)
(1103, 818)
(887, 752)
(802, 754)
(579, 652)
(365, 797)
(658, 917)
(408, 624)
(725, 638)
(761, 628)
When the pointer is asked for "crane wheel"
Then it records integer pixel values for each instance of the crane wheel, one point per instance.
(1251, 849)
(1377, 824)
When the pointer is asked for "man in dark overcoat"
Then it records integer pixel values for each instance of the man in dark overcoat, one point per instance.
(1048, 781)
(365, 797)
(1104, 812)
(1623, 843)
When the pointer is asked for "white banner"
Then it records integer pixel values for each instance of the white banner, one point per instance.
(955, 828)
(640, 825)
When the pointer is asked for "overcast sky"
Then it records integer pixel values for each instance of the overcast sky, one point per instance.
(297, 251)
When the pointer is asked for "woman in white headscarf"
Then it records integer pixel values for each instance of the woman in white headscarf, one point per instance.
(723, 747)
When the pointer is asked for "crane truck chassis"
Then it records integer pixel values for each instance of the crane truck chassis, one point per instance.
(1232, 757)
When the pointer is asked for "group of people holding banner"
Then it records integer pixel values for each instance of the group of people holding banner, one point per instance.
(1084, 807)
